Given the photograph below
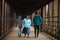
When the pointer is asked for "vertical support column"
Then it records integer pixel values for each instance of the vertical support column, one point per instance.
(43, 25)
(50, 18)
(0, 17)
(5, 17)
(58, 19)
(46, 18)
(55, 19)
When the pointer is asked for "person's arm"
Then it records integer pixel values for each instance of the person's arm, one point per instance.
(30, 22)
(18, 22)
(23, 23)
(33, 20)
(40, 20)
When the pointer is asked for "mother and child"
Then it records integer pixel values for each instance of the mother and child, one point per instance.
(26, 23)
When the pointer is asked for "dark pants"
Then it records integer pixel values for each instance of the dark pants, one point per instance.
(26, 31)
(36, 30)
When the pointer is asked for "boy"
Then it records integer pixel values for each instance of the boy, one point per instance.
(19, 26)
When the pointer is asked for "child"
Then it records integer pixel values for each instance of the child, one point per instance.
(19, 26)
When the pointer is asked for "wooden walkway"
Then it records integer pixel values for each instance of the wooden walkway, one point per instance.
(13, 35)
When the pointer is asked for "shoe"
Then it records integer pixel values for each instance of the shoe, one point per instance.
(19, 36)
(27, 36)
(35, 36)
(24, 35)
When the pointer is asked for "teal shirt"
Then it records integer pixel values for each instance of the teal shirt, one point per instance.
(37, 20)
(26, 22)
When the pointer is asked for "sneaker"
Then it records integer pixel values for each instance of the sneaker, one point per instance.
(19, 35)
(35, 36)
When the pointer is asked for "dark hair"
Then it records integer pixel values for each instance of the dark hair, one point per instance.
(36, 12)
(27, 15)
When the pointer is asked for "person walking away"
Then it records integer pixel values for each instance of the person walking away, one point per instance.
(37, 21)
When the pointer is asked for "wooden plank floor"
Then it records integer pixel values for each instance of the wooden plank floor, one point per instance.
(13, 35)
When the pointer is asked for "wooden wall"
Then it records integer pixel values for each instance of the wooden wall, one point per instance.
(7, 18)
(50, 19)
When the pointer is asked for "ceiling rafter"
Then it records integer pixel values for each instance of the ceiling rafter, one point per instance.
(27, 6)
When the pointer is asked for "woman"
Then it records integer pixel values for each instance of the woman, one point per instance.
(26, 24)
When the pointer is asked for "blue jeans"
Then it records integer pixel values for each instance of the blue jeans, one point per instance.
(19, 31)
